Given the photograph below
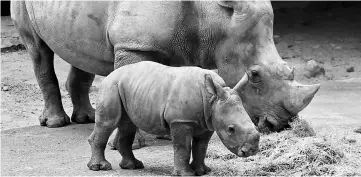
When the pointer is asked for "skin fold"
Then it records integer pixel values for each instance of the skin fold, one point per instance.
(189, 103)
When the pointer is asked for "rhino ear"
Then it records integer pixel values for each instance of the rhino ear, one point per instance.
(227, 4)
(214, 88)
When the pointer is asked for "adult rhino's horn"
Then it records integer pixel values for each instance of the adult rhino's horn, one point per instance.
(300, 96)
(240, 85)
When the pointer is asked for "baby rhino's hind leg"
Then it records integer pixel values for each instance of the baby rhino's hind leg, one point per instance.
(123, 142)
(107, 116)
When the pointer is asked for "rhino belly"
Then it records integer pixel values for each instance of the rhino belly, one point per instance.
(152, 125)
(80, 59)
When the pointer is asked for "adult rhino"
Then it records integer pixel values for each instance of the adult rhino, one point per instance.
(97, 37)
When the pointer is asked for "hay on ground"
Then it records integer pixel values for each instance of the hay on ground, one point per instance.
(297, 151)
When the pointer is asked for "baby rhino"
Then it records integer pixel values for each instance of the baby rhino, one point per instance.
(189, 103)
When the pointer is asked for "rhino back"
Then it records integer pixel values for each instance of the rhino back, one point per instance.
(157, 95)
(87, 33)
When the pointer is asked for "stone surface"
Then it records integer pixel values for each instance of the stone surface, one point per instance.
(5, 88)
(350, 69)
(313, 69)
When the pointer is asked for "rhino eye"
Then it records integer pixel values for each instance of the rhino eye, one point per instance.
(229, 8)
(255, 77)
(254, 73)
(231, 129)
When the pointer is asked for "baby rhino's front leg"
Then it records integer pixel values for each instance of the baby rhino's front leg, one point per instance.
(199, 150)
(182, 137)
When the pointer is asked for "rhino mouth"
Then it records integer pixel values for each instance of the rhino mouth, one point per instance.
(246, 152)
(267, 124)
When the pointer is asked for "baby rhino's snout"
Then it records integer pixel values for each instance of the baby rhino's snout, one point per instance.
(250, 147)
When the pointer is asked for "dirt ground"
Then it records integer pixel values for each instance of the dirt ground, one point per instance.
(332, 39)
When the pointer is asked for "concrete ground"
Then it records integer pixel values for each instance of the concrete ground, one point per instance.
(36, 150)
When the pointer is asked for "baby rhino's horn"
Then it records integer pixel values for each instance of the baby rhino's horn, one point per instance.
(240, 85)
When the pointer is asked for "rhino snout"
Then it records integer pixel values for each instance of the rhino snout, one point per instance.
(251, 147)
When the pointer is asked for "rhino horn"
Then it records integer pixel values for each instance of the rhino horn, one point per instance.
(299, 97)
(240, 85)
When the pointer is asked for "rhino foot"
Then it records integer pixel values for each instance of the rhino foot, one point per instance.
(188, 172)
(131, 164)
(99, 165)
(201, 170)
(83, 117)
(52, 120)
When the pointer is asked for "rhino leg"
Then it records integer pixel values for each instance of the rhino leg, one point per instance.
(182, 137)
(43, 62)
(78, 85)
(53, 113)
(107, 116)
(98, 141)
(199, 149)
(123, 143)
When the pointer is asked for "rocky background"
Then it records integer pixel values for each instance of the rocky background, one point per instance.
(321, 39)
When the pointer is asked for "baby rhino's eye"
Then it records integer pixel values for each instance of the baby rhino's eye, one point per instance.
(231, 129)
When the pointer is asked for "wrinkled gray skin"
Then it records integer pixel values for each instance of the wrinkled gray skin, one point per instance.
(97, 37)
(187, 102)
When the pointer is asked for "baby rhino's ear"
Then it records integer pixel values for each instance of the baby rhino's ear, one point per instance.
(214, 88)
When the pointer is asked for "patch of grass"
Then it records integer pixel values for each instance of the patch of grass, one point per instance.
(297, 151)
